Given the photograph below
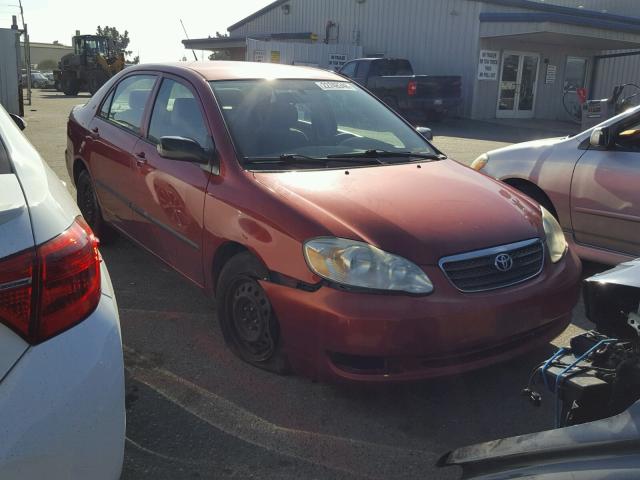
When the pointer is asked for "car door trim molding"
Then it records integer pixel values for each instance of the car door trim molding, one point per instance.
(144, 214)
(602, 213)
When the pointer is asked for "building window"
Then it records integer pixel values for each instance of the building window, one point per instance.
(575, 74)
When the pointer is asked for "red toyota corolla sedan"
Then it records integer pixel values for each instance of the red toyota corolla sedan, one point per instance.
(337, 240)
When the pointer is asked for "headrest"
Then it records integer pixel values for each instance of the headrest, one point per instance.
(284, 114)
(138, 99)
(185, 108)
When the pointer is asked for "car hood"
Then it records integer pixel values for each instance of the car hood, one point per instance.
(534, 146)
(419, 211)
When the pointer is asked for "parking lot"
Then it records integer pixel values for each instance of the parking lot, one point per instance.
(196, 411)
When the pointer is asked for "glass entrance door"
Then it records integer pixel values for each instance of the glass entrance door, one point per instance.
(517, 89)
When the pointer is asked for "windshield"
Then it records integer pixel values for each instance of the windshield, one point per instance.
(96, 45)
(317, 119)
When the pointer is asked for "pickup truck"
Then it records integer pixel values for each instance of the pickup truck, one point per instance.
(392, 80)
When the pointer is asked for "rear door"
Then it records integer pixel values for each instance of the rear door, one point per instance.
(15, 237)
(605, 193)
(114, 133)
(169, 197)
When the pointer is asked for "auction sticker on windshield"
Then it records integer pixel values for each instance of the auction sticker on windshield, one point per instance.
(335, 86)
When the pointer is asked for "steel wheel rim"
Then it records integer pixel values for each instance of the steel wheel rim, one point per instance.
(251, 324)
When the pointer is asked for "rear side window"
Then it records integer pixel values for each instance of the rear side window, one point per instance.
(385, 68)
(129, 101)
(176, 113)
(349, 70)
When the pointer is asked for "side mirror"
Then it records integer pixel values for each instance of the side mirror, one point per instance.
(19, 121)
(183, 150)
(600, 138)
(425, 132)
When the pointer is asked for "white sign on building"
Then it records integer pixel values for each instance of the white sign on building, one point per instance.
(337, 60)
(488, 65)
(259, 56)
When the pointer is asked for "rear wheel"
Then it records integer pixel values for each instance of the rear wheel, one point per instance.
(248, 322)
(90, 208)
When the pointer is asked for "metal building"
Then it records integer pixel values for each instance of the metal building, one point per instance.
(518, 58)
(9, 72)
(46, 52)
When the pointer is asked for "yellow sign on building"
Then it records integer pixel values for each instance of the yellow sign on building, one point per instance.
(275, 56)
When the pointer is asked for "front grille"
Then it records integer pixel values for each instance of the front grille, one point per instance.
(477, 271)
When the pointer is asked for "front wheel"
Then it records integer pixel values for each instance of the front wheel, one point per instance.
(70, 86)
(248, 322)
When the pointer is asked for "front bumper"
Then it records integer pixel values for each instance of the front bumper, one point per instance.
(62, 409)
(338, 335)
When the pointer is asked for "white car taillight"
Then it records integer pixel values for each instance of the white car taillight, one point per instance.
(47, 290)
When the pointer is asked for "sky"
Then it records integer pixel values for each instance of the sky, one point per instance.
(154, 26)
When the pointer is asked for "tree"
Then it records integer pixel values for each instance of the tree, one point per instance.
(221, 54)
(120, 41)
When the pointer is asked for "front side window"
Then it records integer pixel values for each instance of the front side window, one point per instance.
(129, 101)
(176, 112)
(319, 119)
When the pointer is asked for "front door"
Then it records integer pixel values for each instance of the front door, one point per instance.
(517, 88)
(169, 197)
(605, 192)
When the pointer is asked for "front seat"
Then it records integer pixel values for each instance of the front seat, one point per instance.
(187, 121)
(280, 133)
(133, 115)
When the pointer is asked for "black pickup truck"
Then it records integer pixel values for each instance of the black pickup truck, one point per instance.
(392, 80)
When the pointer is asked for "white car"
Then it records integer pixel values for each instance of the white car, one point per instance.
(62, 411)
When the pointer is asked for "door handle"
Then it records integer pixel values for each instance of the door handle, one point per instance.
(95, 132)
(141, 158)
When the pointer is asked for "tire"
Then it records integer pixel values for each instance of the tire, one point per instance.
(248, 322)
(90, 209)
(70, 86)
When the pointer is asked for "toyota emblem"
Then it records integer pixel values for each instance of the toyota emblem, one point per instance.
(503, 262)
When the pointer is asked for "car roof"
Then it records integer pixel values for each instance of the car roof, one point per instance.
(234, 70)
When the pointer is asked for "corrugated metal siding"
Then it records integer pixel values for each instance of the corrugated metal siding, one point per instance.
(549, 97)
(9, 71)
(316, 54)
(616, 71)
(415, 29)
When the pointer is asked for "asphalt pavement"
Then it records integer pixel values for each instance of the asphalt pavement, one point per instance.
(195, 411)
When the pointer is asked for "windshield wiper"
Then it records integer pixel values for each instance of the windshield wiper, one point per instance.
(287, 158)
(297, 159)
(377, 154)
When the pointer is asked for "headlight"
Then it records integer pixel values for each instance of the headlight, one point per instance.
(480, 162)
(556, 243)
(359, 264)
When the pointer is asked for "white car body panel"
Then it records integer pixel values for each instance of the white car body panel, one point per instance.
(15, 226)
(62, 413)
(15, 236)
(62, 405)
(51, 207)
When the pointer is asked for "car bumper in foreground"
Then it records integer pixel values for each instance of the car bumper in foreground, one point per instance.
(339, 335)
(62, 412)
